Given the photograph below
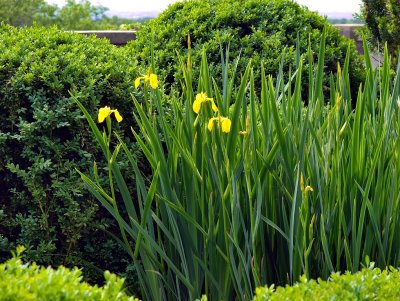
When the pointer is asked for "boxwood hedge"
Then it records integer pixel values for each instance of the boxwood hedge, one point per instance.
(25, 281)
(43, 139)
(261, 30)
(368, 284)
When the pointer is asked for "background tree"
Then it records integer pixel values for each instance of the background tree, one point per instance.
(22, 12)
(74, 15)
(382, 20)
(81, 15)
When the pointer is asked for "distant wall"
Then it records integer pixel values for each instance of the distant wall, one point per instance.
(121, 37)
(349, 31)
(116, 37)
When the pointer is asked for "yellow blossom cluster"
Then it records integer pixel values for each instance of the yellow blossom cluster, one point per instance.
(223, 122)
(202, 98)
(106, 111)
(149, 77)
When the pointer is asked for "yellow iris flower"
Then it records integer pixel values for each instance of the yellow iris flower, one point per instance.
(149, 77)
(105, 112)
(308, 188)
(224, 122)
(153, 81)
(202, 98)
(117, 116)
(302, 188)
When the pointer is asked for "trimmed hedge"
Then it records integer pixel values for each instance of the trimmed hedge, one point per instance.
(261, 30)
(368, 284)
(25, 281)
(44, 205)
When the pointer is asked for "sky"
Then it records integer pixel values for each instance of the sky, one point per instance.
(322, 6)
(329, 6)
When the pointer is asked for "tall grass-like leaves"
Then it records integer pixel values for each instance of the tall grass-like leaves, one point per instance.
(292, 189)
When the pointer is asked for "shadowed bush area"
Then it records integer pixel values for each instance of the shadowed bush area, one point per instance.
(260, 30)
(43, 139)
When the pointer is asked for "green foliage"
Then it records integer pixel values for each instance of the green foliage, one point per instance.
(24, 281)
(368, 284)
(263, 31)
(73, 15)
(80, 15)
(21, 12)
(43, 203)
(283, 190)
(382, 20)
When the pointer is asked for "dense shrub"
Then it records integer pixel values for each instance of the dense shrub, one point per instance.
(368, 284)
(43, 139)
(263, 30)
(24, 281)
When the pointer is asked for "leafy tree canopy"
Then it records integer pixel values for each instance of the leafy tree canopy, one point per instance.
(382, 20)
(22, 12)
(74, 15)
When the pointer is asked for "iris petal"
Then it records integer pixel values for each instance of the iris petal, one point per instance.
(210, 125)
(202, 97)
(153, 81)
(117, 116)
(226, 125)
(137, 82)
(196, 106)
(213, 105)
(103, 113)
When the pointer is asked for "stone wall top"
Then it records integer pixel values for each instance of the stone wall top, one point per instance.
(349, 31)
(116, 37)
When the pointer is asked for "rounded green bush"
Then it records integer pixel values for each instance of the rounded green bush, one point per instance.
(44, 138)
(24, 281)
(368, 284)
(261, 30)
